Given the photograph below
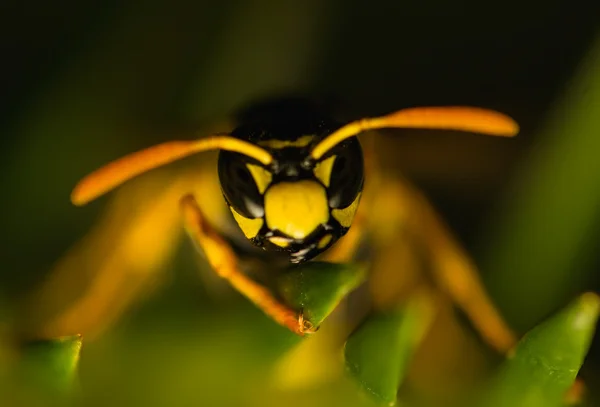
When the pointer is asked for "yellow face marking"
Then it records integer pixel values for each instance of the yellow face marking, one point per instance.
(324, 241)
(250, 227)
(279, 241)
(346, 215)
(262, 177)
(296, 208)
(302, 141)
(323, 170)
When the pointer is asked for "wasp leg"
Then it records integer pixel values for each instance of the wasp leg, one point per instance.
(451, 267)
(225, 263)
(457, 273)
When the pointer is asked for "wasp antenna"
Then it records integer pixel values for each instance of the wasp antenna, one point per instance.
(469, 119)
(117, 172)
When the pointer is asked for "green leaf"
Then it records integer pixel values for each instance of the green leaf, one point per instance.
(317, 288)
(546, 232)
(50, 365)
(545, 362)
(379, 352)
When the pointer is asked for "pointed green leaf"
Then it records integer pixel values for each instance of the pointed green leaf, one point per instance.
(379, 352)
(546, 361)
(317, 288)
(51, 365)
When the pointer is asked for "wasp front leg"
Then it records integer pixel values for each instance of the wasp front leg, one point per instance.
(224, 261)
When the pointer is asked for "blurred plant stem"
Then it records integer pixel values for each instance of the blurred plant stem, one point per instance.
(540, 246)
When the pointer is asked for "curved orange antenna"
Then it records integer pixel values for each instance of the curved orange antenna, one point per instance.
(117, 172)
(470, 119)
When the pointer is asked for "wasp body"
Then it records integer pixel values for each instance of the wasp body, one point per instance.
(293, 178)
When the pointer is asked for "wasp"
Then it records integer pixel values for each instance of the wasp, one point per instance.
(299, 184)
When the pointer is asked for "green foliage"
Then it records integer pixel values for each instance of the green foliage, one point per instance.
(539, 253)
(546, 361)
(379, 352)
(538, 373)
(49, 367)
(317, 288)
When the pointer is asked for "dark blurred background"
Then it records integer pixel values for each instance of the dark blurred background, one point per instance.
(85, 82)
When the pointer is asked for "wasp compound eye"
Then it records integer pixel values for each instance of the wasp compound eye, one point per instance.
(242, 183)
(347, 174)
